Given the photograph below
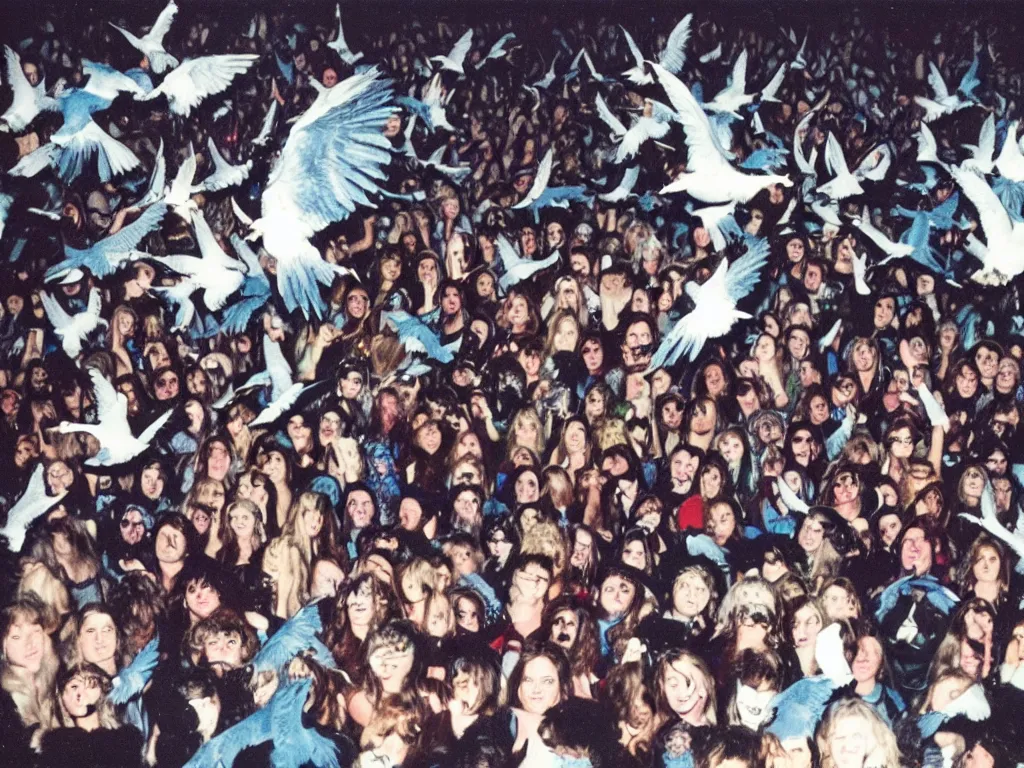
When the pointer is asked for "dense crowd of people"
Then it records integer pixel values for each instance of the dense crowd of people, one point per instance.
(483, 529)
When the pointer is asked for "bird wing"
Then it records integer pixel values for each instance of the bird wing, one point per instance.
(704, 152)
(738, 84)
(162, 25)
(799, 707)
(609, 118)
(339, 43)
(181, 187)
(268, 124)
(461, 47)
(111, 406)
(219, 163)
(994, 218)
(208, 245)
(540, 183)
(970, 80)
(297, 635)
(828, 652)
(249, 258)
(131, 680)
(157, 178)
(637, 56)
(331, 163)
(507, 253)
(936, 414)
(95, 305)
(936, 82)
(129, 237)
(254, 730)
(278, 368)
(793, 502)
(834, 157)
(768, 93)
(56, 314)
(987, 139)
(674, 57)
(32, 503)
(192, 81)
(24, 97)
(745, 272)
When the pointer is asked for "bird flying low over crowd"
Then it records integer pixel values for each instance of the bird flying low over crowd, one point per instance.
(151, 45)
(672, 57)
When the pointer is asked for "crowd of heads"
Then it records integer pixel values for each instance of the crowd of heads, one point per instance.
(528, 546)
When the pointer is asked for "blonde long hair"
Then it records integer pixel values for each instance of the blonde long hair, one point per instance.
(881, 748)
(34, 699)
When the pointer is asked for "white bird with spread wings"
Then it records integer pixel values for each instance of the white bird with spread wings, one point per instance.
(672, 57)
(73, 329)
(151, 45)
(652, 124)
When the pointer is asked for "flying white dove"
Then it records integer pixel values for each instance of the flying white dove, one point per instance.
(267, 129)
(710, 177)
(224, 173)
(1004, 254)
(456, 57)
(875, 235)
(340, 46)
(33, 503)
(625, 187)
(284, 391)
(156, 189)
(716, 220)
(946, 103)
(332, 162)
(646, 127)
(714, 312)
(672, 57)
(216, 273)
(26, 102)
(517, 269)
(540, 181)
(151, 45)
(499, 49)
(1010, 162)
(927, 148)
(844, 184)
(713, 55)
(875, 165)
(117, 443)
(189, 83)
(179, 195)
(734, 95)
(982, 154)
(73, 329)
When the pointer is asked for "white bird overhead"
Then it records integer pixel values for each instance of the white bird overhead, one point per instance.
(716, 220)
(625, 187)
(945, 102)
(1004, 253)
(594, 74)
(734, 95)
(844, 184)
(156, 189)
(876, 164)
(927, 149)
(713, 55)
(340, 46)
(709, 177)
(224, 174)
(546, 81)
(875, 235)
(117, 443)
(26, 102)
(216, 273)
(151, 45)
(672, 57)
(714, 312)
(499, 49)
(456, 57)
(1010, 162)
(540, 181)
(179, 195)
(284, 391)
(108, 83)
(33, 503)
(517, 269)
(189, 83)
(73, 329)
(331, 163)
(267, 129)
(983, 153)
(646, 127)
(436, 101)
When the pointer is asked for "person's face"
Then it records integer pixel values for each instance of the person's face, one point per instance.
(996, 463)
(685, 689)
(704, 417)
(359, 508)
(638, 338)
(849, 742)
(806, 626)
(467, 616)
(714, 379)
(811, 535)
(391, 269)
(986, 565)
(798, 344)
(152, 483)
(242, 523)
(731, 448)
(223, 649)
(24, 453)
(966, 382)
(409, 514)
(845, 489)
(581, 549)
(31, 73)
(838, 603)
(466, 690)
(682, 467)
(812, 278)
(973, 483)
(946, 691)
(690, 596)
(616, 595)
(427, 271)
(868, 661)
(555, 235)
(327, 577)
(392, 666)
(201, 599)
(885, 310)
(978, 757)
(889, 526)
(97, 638)
(539, 689)
(166, 386)
(722, 523)
(701, 237)
(451, 301)
(1007, 375)
(580, 265)
(566, 336)
(518, 311)
(987, 361)
(916, 552)
(532, 581)
(170, 545)
(59, 476)
(795, 251)
(710, 482)
(593, 356)
(218, 462)
(356, 304)
(132, 527)
(565, 629)
(528, 240)
(1003, 490)
(330, 78)
(498, 545)
(594, 406)
(467, 506)
(633, 554)
(359, 605)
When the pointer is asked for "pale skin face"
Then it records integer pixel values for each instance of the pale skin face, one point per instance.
(97, 638)
(690, 595)
(811, 535)
(685, 689)
(806, 626)
(539, 689)
(80, 694)
(849, 742)
(242, 523)
(616, 595)
(633, 554)
(868, 661)
(986, 565)
(722, 523)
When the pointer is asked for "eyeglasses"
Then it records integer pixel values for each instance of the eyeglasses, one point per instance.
(167, 381)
